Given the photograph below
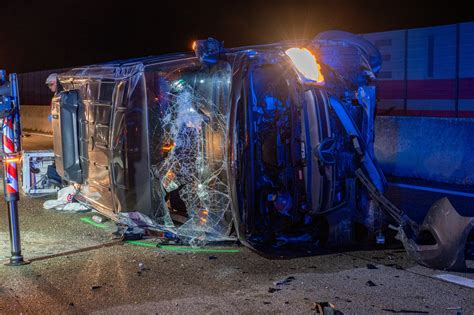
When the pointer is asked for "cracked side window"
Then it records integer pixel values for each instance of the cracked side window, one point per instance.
(188, 128)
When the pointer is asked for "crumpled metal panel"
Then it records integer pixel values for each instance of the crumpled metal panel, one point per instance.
(367, 62)
(354, 63)
(113, 109)
(441, 240)
(153, 134)
(112, 71)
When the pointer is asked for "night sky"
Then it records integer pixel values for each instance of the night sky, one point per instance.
(40, 35)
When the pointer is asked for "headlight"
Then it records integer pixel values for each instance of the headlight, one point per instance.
(306, 64)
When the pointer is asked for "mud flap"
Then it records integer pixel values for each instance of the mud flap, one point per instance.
(440, 241)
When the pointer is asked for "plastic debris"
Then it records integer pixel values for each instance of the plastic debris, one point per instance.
(370, 266)
(130, 233)
(135, 219)
(167, 238)
(370, 283)
(380, 239)
(99, 219)
(65, 201)
(135, 225)
(325, 308)
(285, 281)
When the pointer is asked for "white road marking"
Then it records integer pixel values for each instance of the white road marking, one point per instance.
(466, 282)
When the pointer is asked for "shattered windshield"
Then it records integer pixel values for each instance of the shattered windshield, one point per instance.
(188, 105)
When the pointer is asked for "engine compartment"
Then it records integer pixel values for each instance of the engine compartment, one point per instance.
(275, 195)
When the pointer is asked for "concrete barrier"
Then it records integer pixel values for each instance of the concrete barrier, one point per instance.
(430, 148)
(35, 118)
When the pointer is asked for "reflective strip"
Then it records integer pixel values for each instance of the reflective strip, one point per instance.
(432, 189)
(465, 282)
(8, 144)
(11, 172)
(11, 177)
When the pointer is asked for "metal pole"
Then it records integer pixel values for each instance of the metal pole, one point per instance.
(16, 112)
(10, 180)
(11, 142)
(15, 243)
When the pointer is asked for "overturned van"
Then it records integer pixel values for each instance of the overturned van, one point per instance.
(269, 144)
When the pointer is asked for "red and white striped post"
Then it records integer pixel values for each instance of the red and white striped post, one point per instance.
(10, 160)
(11, 143)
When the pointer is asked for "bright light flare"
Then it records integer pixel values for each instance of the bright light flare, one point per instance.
(306, 64)
(168, 148)
(12, 160)
(170, 175)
